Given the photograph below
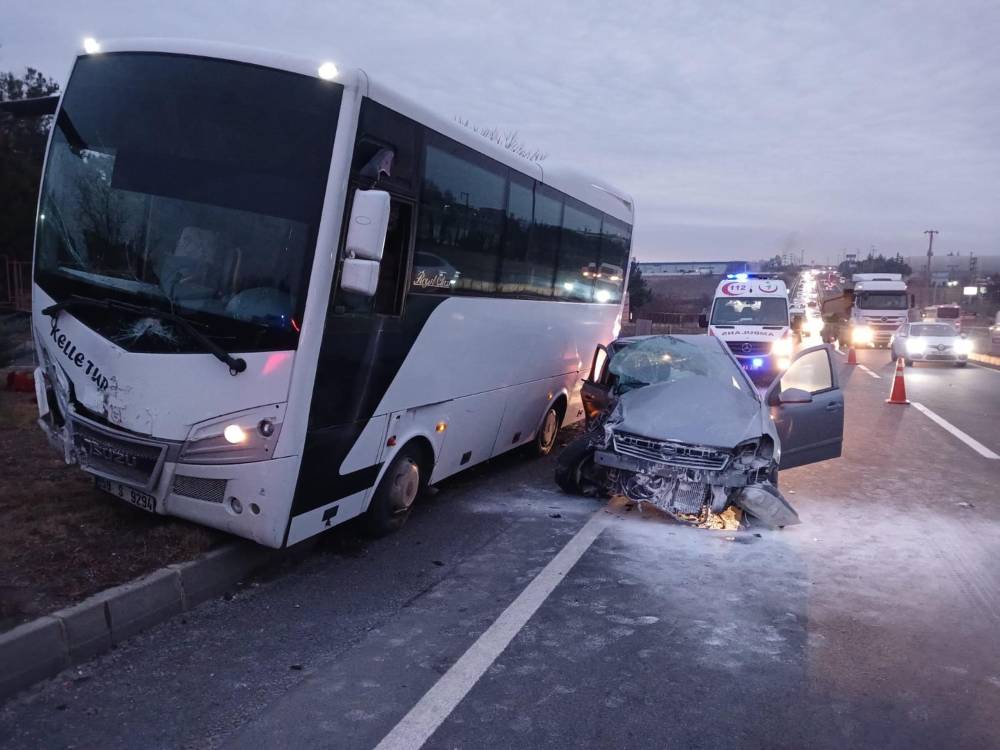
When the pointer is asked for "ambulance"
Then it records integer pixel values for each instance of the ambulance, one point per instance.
(750, 313)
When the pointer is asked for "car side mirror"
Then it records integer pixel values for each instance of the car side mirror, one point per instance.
(703, 321)
(794, 396)
(366, 231)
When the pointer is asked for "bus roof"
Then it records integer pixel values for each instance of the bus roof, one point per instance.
(566, 178)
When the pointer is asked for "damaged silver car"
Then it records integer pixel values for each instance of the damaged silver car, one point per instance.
(675, 422)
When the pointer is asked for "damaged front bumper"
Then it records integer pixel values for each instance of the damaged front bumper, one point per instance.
(684, 491)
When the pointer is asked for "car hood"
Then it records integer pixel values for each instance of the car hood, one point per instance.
(692, 410)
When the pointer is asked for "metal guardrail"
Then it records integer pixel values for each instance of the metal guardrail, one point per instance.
(15, 284)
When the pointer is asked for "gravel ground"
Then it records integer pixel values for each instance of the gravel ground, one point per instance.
(63, 540)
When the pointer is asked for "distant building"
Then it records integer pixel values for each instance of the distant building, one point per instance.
(693, 268)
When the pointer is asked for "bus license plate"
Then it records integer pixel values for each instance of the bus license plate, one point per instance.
(130, 495)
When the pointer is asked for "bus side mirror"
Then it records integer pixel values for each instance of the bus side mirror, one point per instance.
(703, 321)
(366, 232)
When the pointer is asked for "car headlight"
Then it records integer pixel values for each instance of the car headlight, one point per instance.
(861, 335)
(236, 438)
(915, 346)
(815, 326)
(782, 347)
(963, 346)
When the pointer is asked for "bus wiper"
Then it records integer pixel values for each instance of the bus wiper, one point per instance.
(236, 364)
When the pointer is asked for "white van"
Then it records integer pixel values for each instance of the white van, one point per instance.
(750, 313)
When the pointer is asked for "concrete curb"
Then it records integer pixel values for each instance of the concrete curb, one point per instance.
(44, 647)
(986, 359)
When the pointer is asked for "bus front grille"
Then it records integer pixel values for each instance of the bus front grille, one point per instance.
(200, 488)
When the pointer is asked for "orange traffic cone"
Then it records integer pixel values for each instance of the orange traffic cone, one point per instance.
(898, 393)
(852, 356)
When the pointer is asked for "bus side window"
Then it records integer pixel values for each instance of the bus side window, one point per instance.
(392, 274)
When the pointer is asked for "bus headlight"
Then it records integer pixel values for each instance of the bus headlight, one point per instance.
(782, 347)
(237, 438)
(861, 335)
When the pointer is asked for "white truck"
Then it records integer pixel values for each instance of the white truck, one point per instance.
(750, 313)
(880, 307)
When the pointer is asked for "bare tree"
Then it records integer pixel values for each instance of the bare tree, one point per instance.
(509, 139)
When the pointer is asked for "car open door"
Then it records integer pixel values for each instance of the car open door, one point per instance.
(596, 391)
(807, 407)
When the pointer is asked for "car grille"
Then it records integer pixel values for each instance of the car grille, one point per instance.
(749, 348)
(200, 488)
(116, 456)
(670, 452)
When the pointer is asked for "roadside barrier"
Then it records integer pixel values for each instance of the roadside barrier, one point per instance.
(898, 393)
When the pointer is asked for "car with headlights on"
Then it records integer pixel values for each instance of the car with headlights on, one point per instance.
(930, 342)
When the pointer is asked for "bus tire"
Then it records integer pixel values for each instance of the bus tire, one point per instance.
(548, 431)
(394, 497)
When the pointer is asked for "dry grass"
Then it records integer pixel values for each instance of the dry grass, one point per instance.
(61, 539)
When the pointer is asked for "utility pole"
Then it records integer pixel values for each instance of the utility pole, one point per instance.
(930, 253)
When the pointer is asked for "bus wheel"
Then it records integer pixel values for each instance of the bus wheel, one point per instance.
(395, 494)
(547, 432)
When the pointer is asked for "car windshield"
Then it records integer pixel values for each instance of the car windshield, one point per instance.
(668, 359)
(880, 301)
(932, 330)
(191, 185)
(766, 311)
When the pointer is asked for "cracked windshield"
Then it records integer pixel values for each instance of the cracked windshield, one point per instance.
(150, 196)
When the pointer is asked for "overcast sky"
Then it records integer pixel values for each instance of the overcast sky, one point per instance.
(742, 128)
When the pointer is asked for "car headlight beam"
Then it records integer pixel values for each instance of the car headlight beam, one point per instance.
(862, 335)
(782, 347)
(915, 346)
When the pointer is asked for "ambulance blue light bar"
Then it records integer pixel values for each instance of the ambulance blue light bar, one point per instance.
(743, 276)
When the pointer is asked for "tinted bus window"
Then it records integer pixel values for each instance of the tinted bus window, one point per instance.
(614, 257)
(579, 260)
(461, 221)
(546, 231)
(386, 149)
(527, 268)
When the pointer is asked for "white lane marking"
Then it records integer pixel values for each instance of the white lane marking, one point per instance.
(414, 729)
(978, 447)
(873, 374)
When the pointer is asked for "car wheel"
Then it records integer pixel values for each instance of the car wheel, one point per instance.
(545, 439)
(961, 364)
(908, 363)
(573, 464)
(395, 495)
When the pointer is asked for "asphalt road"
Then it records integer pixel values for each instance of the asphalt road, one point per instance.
(875, 623)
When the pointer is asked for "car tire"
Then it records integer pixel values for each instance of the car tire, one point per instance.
(908, 363)
(548, 431)
(572, 463)
(393, 500)
(961, 364)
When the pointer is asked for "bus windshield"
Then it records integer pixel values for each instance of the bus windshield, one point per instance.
(191, 185)
(881, 300)
(756, 311)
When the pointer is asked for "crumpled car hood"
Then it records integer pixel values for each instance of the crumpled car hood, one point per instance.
(692, 410)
